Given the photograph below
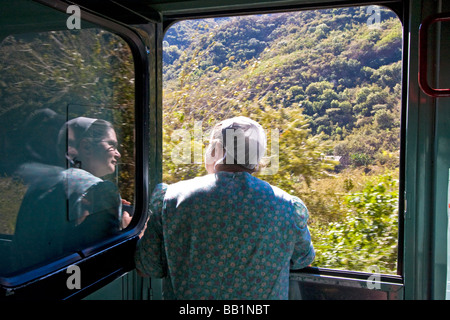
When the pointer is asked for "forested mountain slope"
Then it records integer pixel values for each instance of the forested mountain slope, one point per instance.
(344, 74)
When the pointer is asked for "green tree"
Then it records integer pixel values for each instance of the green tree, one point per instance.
(368, 230)
(300, 154)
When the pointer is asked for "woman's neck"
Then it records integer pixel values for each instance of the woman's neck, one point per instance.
(232, 168)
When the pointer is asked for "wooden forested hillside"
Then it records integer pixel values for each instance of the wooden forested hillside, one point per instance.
(327, 83)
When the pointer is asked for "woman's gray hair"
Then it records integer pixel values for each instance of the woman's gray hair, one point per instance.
(243, 140)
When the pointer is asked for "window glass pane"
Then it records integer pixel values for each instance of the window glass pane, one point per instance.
(326, 86)
(67, 136)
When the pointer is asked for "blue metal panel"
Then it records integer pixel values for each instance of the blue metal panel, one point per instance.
(442, 162)
(307, 286)
(128, 287)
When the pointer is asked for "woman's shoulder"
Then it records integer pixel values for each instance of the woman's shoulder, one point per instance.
(189, 184)
(160, 190)
(76, 175)
(294, 200)
(78, 180)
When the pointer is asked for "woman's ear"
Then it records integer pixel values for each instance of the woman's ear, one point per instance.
(218, 151)
(210, 157)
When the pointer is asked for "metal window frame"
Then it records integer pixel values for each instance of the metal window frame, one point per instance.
(108, 260)
(423, 55)
(339, 280)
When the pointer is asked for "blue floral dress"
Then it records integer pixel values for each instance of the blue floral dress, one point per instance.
(224, 236)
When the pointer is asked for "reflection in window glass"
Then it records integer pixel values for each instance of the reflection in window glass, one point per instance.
(326, 85)
(67, 128)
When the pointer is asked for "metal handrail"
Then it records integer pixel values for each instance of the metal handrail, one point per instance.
(423, 55)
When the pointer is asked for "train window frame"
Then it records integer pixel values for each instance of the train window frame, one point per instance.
(391, 284)
(55, 276)
(105, 260)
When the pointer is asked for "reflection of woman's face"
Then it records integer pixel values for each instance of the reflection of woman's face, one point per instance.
(100, 158)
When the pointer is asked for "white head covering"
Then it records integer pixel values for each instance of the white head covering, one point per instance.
(79, 127)
(243, 140)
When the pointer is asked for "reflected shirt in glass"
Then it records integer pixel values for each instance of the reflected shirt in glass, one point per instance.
(224, 236)
(63, 211)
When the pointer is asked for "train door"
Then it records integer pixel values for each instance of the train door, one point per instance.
(427, 174)
(421, 202)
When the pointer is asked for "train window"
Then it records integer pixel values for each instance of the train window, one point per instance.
(326, 86)
(67, 126)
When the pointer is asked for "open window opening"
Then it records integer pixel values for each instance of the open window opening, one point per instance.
(326, 87)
